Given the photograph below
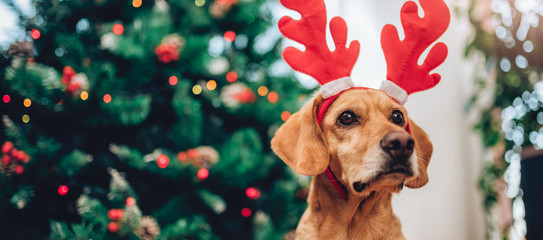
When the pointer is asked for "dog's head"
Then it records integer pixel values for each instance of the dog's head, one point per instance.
(364, 139)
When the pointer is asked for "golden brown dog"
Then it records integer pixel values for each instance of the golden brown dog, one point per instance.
(364, 140)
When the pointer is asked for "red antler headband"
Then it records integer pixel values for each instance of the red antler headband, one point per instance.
(404, 74)
(332, 69)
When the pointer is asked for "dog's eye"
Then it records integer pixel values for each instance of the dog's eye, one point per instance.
(397, 117)
(347, 118)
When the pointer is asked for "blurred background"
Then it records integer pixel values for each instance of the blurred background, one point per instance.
(151, 119)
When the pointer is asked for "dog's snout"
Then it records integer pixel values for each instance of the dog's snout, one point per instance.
(399, 145)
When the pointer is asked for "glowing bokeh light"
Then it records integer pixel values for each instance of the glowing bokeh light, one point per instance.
(107, 98)
(229, 36)
(211, 85)
(173, 80)
(262, 91)
(231, 76)
(84, 95)
(285, 116)
(62, 190)
(273, 97)
(246, 212)
(197, 89)
(252, 193)
(26, 118)
(136, 3)
(6, 98)
(35, 33)
(117, 29)
(199, 3)
(27, 102)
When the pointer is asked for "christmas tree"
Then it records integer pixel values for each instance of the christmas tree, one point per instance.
(146, 120)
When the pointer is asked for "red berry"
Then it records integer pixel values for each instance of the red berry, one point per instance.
(115, 214)
(6, 160)
(20, 155)
(162, 161)
(203, 173)
(25, 158)
(19, 169)
(113, 227)
(182, 156)
(193, 153)
(13, 152)
(7, 147)
(130, 201)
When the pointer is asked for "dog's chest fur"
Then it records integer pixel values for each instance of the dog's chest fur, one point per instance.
(328, 217)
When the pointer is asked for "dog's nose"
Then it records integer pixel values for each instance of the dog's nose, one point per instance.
(399, 145)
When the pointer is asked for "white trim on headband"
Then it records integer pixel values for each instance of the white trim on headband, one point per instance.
(334, 87)
(394, 91)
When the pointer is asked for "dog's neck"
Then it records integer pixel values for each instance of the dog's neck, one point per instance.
(369, 217)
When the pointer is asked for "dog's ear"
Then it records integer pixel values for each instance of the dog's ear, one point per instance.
(300, 143)
(424, 149)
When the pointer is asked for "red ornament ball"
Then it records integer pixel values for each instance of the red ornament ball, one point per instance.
(62, 190)
(130, 201)
(252, 193)
(115, 214)
(113, 227)
(203, 173)
(167, 52)
(6, 98)
(246, 212)
(67, 74)
(19, 169)
(245, 96)
(162, 161)
(7, 147)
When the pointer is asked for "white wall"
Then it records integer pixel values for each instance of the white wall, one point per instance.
(450, 206)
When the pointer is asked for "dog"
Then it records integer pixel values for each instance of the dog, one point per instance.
(372, 147)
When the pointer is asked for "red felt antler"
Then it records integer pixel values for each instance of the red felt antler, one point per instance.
(317, 60)
(402, 55)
